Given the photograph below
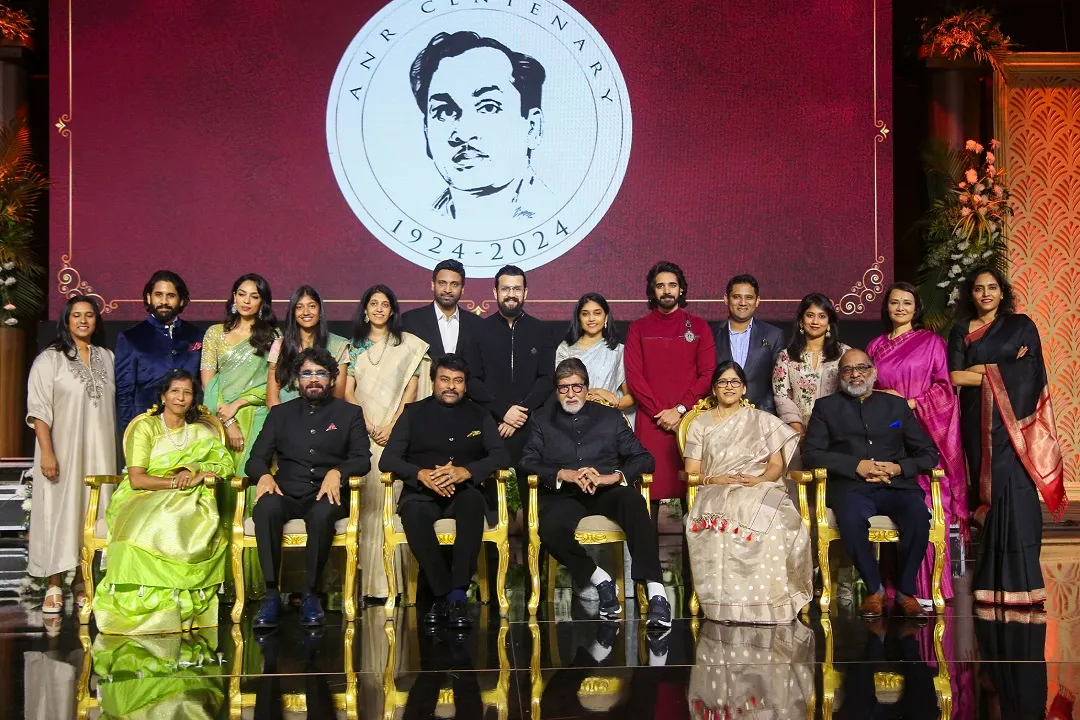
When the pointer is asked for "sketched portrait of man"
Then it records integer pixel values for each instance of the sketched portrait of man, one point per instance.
(482, 122)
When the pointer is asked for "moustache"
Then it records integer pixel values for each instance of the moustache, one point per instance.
(468, 151)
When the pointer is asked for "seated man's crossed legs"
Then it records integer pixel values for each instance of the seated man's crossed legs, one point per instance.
(559, 517)
(907, 509)
(418, 514)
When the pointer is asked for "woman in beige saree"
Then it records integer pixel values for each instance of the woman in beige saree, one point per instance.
(749, 551)
(384, 375)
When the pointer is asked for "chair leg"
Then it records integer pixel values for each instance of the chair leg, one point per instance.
(534, 574)
(939, 567)
(482, 577)
(87, 564)
(348, 600)
(695, 604)
(826, 575)
(238, 581)
(643, 601)
(500, 579)
(414, 580)
(552, 578)
(620, 577)
(391, 582)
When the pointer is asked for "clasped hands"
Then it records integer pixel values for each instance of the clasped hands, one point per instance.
(878, 472)
(668, 419)
(589, 479)
(736, 479)
(185, 478)
(442, 479)
(513, 420)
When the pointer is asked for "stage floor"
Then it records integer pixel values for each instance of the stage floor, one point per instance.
(565, 664)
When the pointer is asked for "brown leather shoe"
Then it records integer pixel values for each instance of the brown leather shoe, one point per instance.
(872, 606)
(910, 607)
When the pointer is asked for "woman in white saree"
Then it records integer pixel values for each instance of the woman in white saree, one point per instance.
(749, 551)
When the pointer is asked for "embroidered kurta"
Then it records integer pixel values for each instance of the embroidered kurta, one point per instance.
(797, 384)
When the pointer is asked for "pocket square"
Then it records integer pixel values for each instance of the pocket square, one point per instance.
(332, 427)
(474, 433)
(894, 424)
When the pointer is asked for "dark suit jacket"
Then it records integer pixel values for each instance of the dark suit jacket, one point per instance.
(310, 440)
(429, 433)
(145, 354)
(844, 431)
(766, 342)
(598, 437)
(422, 323)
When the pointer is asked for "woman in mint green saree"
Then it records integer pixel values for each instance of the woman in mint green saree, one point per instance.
(167, 549)
(233, 371)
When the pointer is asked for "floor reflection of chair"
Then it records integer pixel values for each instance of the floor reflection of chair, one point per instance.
(85, 697)
(242, 704)
(396, 693)
(888, 686)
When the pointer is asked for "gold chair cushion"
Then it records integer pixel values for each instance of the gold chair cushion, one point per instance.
(446, 525)
(877, 522)
(296, 527)
(598, 523)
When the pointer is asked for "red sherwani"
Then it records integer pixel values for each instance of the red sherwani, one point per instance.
(663, 370)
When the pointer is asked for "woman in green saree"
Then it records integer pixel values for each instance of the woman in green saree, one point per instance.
(233, 371)
(166, 546)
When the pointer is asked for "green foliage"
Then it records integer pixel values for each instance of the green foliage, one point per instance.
(967, 33)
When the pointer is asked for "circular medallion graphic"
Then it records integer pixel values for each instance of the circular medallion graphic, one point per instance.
(490, 132)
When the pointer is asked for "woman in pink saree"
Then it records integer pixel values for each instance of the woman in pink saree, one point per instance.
(912, 362)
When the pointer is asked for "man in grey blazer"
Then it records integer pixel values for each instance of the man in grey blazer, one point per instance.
(752, 343)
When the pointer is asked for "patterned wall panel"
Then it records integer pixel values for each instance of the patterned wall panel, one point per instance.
(1038, 121)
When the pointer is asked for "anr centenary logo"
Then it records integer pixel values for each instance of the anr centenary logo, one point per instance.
(488, 131)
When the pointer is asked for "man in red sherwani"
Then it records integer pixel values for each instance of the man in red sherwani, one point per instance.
(670, 356)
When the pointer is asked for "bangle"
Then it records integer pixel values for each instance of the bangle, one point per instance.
(229, 423)
(173, 483)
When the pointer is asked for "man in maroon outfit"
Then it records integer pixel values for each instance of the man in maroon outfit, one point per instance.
(670, 355)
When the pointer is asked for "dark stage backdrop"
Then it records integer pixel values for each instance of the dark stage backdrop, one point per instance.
(286, 139)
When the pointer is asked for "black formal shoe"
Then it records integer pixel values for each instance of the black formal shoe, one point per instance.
(659, 613)
(610, 609)
(606, 634)
(269, 611)
(437, 613)
(311, 612)
(458, 616)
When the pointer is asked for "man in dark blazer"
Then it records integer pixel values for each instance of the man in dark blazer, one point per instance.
(147, 352)
(443, 325)
(874, 449)
(442, 449)
(752, 343)
(320, 442)
(587, 460)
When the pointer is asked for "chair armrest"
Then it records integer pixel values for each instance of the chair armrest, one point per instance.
(937, 506)
(691, 479)
(97, 481)
(802, 479)
(385, 478)
(210, 481)
(501, 478)
(821, 476)
(389, 509)
(645, 482)
(240, 483)
(533, 520)
(801, 476)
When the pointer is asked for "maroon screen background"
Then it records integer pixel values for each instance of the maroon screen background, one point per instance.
(192, 136)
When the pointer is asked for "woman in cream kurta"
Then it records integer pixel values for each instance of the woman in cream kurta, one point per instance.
(386, 365)
(71, 404)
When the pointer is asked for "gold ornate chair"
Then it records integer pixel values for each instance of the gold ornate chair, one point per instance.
(346, 535)
(693, 480)
(96, 532)
(888, 686)
(882, 530)
(446, 531)
(346, 703)
(497, 697)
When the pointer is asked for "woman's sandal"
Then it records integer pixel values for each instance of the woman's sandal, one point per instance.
(78, 593)
(47, 608)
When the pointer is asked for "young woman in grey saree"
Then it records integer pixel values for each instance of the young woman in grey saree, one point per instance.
(749, 551)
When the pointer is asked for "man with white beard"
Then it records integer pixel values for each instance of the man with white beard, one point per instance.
(874, 449)
(587, 459)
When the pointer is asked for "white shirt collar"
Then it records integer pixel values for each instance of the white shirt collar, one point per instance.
(442, 317)
(748, 328)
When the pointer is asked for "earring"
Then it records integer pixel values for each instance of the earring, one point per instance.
(828, 333)
(605, 324)
(366, 318)
(233, 309)
(801, 331)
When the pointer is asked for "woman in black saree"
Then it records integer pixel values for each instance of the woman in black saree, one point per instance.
(1009, 438)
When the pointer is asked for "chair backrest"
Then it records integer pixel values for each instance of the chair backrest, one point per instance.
(206, 418)
(703, 405)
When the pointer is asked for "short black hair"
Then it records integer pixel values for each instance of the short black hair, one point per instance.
(569, 367)
(179, 375)
(916, 320)
(664, 266)
(744, 279)
(512, 271)
(527, 75)
(452, 266)
(319, 356)
(450, 361)
(177, 282)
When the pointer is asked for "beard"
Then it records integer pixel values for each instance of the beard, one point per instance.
(860, 388)
(667, 302)
(446, 304)
(572, 405)
(164, 314)
(315, 393)
(511, 307)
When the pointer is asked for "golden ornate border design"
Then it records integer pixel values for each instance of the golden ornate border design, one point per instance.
(863, 292)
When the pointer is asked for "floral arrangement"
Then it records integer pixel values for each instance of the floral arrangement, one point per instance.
(973, 33)
(21, 184)
(966, 225)
(14, 25)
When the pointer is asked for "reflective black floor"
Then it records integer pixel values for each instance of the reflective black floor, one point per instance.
(565, 664)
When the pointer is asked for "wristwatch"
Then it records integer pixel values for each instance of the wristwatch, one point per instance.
(681, 408)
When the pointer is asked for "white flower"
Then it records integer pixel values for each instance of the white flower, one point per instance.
(11, 321)
(954, 295)
(963, 246)
(9, 307)
(954, 270)
(26, 505)
(10, 281)
(9, 265)
(944, 284)
(956, 256)
(968, 260)
(988, 253)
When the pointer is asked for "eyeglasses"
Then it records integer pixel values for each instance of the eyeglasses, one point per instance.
(728, 383)
(849, 370)
(313, 374)
(564, 389)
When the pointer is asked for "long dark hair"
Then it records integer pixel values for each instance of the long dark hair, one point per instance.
(362, 327)
(965, 309)
(831, 349)
(291, 338)
(916, 320)
(64, 342)
(264, 329)
(192, 414)
(664, 267)
(575, 331)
